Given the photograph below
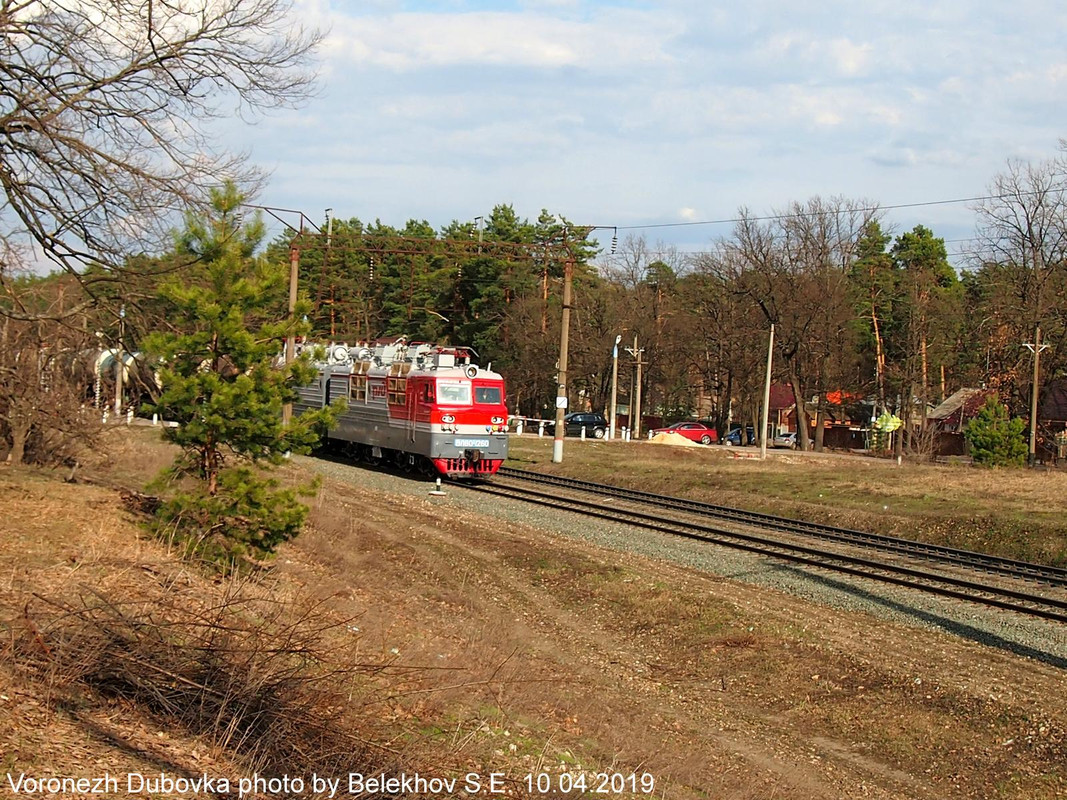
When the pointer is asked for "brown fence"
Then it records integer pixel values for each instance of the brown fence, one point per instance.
(842, 438)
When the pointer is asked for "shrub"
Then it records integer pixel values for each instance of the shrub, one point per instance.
(247, 517)
(995, 439)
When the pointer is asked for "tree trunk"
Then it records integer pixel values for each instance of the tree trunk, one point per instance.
(20, 433)
(544, 301)
(925, 395)
(820, 421)
(724, 408)
(802, 413)
(209, 463)
(879, 362)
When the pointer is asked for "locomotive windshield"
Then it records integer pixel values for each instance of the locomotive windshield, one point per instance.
(454, 393)
(489, 395)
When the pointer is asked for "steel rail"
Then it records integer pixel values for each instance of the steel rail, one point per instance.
(933, 583)
(1054, 576)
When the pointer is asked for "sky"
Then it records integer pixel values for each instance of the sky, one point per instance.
(646, 115)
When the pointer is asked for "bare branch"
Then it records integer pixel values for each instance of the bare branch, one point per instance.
(106, 112)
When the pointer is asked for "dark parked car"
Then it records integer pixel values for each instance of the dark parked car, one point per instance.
(734, 437)
(694, 431)
(595, 425)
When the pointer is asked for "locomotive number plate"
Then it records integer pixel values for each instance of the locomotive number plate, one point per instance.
(472, 442)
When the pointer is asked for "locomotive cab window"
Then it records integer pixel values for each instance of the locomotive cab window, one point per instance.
(454, 394)
(489, 395)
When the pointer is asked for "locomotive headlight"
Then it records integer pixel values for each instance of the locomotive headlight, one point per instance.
(497, 420)
(448, 418)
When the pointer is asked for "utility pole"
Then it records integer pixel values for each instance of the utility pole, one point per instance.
(325, 266)
(1035, 347)
(561, 379)
(767, 397)
(637, 418)
(290, 340)
(635, 392)
(120, 365)
(614, 385)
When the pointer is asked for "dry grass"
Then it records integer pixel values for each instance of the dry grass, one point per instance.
(130, 457)
(1012, 512)
(92, 614)
(244, 673)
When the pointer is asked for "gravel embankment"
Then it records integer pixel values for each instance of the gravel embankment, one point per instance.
(1045, 641)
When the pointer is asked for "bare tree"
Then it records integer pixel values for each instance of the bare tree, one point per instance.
(726, 343)
(795, 267)
(45, 387)
(106, 111)
(1022, 233)
(1023, 223)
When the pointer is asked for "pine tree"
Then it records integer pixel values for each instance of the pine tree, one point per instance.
(223, 386)
(994, 438)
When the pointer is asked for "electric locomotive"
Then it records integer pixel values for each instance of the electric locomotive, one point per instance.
(415, 404)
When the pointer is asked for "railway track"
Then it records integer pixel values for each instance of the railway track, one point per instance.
(747, 532)
(1051, 576)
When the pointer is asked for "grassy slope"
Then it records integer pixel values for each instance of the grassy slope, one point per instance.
(1016, 513)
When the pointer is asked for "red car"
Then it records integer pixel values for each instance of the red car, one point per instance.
(696, 431)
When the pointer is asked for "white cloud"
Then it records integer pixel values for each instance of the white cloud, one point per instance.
(409, 41)
(849, 58)
(629, 112)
